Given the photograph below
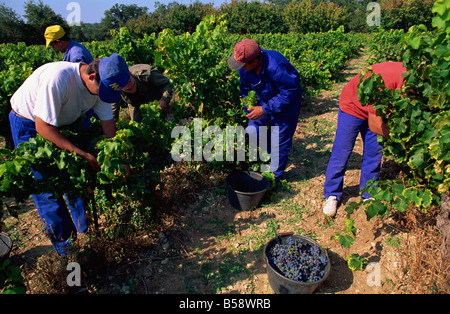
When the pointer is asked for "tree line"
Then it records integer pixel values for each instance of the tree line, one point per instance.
(244, 17)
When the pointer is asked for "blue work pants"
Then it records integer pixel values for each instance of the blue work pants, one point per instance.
(60, 224)
(348, 128)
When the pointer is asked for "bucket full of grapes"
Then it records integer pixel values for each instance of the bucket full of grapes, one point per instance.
(295, 264)
(246, 189)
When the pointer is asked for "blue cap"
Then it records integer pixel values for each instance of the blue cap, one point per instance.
(114, 75)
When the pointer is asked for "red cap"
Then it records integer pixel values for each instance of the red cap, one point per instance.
(244, 51)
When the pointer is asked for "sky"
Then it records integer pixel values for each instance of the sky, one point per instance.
(92, 11)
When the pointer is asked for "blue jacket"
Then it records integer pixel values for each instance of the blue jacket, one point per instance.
(76, 52)
(277, 86)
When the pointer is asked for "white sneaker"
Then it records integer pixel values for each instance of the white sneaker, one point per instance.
(331, 205)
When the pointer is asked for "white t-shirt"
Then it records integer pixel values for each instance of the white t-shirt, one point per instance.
(56, 94)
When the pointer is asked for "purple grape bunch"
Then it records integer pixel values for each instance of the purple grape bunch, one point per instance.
(298, 260)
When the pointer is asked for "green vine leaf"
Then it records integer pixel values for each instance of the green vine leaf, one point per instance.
(356, 262)
(344, 240)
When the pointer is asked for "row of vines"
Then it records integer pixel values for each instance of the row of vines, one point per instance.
(206, 88)
(418, 116)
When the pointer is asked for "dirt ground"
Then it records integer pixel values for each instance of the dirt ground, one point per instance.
(207, 246)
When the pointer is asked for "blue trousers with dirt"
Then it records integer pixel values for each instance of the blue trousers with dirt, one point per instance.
(348, 128)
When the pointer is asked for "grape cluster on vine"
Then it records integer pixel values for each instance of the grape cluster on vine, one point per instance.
(298, 260)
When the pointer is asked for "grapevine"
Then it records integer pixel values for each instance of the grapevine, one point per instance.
(298, 260)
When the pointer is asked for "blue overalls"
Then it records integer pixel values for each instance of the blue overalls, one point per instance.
(279, 93)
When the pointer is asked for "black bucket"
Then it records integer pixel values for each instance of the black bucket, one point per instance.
(283, 285)
(246, 189)
(5, 247)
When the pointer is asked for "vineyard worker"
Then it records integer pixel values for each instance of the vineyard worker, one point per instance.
(56, 37)
(146, 85)
(277, 85)
(353, 118)
(57, 94)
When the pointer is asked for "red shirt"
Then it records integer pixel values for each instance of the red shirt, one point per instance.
(391, 73)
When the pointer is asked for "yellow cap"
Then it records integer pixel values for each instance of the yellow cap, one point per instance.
(52, 33)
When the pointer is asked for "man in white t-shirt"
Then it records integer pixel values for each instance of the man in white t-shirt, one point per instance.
(55, 95)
